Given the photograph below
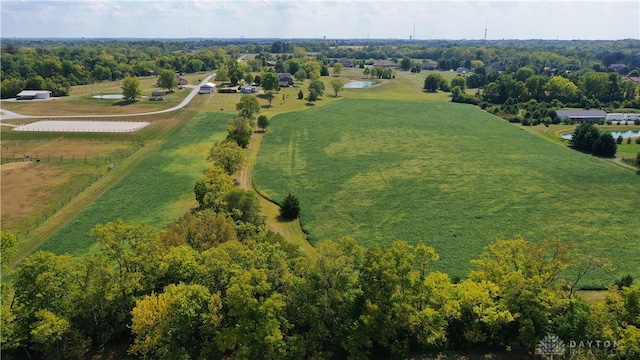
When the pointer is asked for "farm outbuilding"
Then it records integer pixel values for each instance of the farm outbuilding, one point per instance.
(207, 88)
(248, 89)
(158, 95)
(33, 94)
(622, 117)
(580, 116)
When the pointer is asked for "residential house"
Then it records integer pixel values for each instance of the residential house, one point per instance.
(499, 68)
(617, 67)
(385, 63)
(271, 63)
(346, 62)
(634, 79)
(462, 70)
(285, 79)
(429, 66)
(581, 116)
(179, 80)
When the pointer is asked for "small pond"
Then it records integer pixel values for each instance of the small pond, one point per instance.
(109, 96)
(360, 84)
(615, 134)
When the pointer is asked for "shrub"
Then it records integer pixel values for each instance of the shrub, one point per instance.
(625, 281)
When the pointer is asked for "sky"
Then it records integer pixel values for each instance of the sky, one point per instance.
(342, 19)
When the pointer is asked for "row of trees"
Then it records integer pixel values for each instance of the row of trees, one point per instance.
(587, 138)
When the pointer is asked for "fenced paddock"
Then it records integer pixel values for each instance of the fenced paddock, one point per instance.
(83, 126)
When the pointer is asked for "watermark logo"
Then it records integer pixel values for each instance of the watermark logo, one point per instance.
(551, 345)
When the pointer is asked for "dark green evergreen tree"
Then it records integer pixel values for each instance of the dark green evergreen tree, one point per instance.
(290, 207)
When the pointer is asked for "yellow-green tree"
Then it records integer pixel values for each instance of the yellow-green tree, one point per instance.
(228, 155)
(131, 88)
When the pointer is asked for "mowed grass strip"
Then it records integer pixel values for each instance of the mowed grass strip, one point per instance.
(159, 190)
(449, 175)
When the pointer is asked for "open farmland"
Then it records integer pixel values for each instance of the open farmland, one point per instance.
(157, 191)
(449, 175)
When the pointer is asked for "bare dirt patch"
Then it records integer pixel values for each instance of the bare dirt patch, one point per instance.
(60, 147)
(25, 186)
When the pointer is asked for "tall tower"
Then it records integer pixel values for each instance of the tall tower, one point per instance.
(486, 23)
(414, 30)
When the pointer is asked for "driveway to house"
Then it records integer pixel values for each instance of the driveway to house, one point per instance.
(6, 115)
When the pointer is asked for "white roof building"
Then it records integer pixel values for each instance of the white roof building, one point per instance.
(33, 94)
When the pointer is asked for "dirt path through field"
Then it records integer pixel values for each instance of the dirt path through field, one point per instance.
(290, 230)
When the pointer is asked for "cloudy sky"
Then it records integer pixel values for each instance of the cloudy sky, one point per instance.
(382, 19)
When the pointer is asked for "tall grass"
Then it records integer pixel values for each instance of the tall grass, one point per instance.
(448, 175)
(157, 191)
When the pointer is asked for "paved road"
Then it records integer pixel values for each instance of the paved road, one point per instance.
(6, 115)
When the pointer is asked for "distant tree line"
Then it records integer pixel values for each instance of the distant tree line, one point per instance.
(58, 67)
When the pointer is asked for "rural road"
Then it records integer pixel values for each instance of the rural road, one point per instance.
(7, 115)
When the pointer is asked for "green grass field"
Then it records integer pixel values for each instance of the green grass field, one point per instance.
(449, 175)
(157, 191)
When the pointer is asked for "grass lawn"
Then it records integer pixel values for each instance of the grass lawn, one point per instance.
(81, 101)
(449, 175)
(157, 191)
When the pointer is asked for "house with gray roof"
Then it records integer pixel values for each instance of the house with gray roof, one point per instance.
(385, 63)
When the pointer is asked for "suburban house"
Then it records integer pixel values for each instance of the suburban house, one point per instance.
(179, 80)
(346, 62)
(429, 66)
(462, 70)
(285, 79)
(581, 116)
(33, 94)
(385, 63)
(499, 68)
(207, 88)
(634, 79)
(271, 63)
(158, 95)
(617, 67)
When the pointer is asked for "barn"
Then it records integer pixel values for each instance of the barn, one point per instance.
(33, 95)
(580, 116)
